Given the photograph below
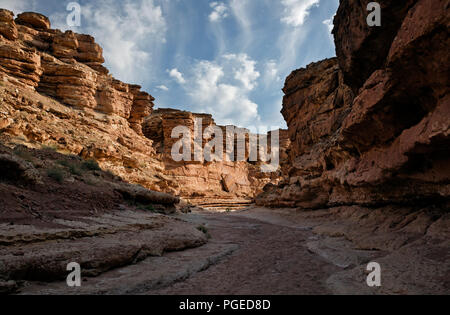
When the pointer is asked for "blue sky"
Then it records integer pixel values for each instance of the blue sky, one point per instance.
(229, 58)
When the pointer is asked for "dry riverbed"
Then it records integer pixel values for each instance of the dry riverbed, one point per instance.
(280, 251)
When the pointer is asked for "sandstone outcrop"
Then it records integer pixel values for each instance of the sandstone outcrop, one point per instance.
(198, 181)
(67, 67)
(34, 20)
(372, 126)
(8, 28)
(361, 49)
(56, 92)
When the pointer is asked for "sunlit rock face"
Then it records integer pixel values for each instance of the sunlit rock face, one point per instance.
(371, 127)
(66, 66)
(197, 180)
(56, 92)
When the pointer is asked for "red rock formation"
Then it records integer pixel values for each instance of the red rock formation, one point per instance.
(33, 20)
(57, 92)
(199, 181)
(8, 28)
(361, 49)
(66, 66)
(388, 144)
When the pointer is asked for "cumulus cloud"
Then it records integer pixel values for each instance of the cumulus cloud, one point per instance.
(177, 75)
(296, 11)
(130, 33)
(223, 87)
(244, 70)
(163, 88)
(219, 11)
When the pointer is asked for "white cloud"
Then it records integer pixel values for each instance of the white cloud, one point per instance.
(223, 87)
(296, 11)
(177, 75)
(271, 73)
(163, 88)
(329, 24)
(18, 6)
(220, 11)
(244, 14)
(244, 70)
(130, 32)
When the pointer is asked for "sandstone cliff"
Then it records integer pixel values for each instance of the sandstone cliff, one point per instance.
(367, 148)
(56, 92)
(60, 113)
(371, 127)
(204, 182)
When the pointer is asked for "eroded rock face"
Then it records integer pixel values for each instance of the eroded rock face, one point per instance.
(389, 142)
(361, 49)
(66, 66)
(201, 180)
(8, 27)
(56, 92)
(34, 20)
(315, 104)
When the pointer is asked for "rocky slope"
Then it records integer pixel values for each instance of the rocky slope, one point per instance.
(371, 127)
(58, 208)
(55, 92)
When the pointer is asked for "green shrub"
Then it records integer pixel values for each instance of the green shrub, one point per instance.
(73, 167)
(90, 181)
(20, 152)
(204, 230)
(49, 148)
(146, 208)
(56, 174)
(91, 165)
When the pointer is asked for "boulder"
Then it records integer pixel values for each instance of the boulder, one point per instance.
(8, 27)
(34, 20)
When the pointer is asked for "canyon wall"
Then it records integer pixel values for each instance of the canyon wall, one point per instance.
(67, 67)
(55, 92)
(371, 127)
(200, 181)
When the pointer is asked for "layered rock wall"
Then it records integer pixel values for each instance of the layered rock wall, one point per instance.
(199, 180)
(55, 91)
(67, 67)
(372, 126)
